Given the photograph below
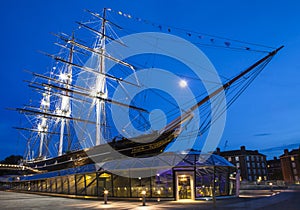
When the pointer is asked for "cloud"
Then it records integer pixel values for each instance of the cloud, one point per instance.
(262, 134)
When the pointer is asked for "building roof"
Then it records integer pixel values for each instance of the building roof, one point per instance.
(292, 152)
(166, 160)
(274, 161)
(136, 167)
(241, 151)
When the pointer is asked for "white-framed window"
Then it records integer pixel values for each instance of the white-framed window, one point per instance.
(247, 158)
(237, 158)
(229, 159)
(295, 171)
(238, 165)
(293, 164)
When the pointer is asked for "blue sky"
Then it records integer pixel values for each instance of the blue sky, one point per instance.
(266, 117)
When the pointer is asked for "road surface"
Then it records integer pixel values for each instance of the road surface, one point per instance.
(287, 200)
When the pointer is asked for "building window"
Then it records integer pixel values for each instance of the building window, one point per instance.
(238, 165)
(293, 164)
(263, 164)
(252, 158)
(249, 171)
(295, 171)
(247, 158)
(253, 165)
(292, 158)
(250, 178)
(248, 165)
(121, 184)
(237, 158)
(229, 159)
(258, 165)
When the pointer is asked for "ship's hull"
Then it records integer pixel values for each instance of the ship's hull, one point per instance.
(110, 151)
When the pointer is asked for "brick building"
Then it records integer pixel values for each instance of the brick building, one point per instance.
(274, 169)
(250, 163)
(290, 164)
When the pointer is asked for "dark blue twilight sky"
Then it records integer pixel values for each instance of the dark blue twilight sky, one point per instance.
(266, 117)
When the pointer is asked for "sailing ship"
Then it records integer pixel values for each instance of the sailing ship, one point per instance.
(53, 121)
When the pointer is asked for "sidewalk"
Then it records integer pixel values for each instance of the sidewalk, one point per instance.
(288, 200)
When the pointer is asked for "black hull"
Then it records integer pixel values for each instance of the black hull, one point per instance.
(105, 152)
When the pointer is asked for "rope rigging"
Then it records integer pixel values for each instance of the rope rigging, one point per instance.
(59, 84)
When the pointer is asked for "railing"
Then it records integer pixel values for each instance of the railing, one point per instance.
(17, 168)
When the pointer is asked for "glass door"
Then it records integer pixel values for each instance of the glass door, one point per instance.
(184, 187)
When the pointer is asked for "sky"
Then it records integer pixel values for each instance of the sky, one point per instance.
(266, 117)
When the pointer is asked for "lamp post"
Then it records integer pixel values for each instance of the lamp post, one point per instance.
(158, 193)
(105, 196)
(214, 187)
(144, 197)
(271, 186)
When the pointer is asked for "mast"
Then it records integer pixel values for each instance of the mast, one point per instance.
(65, 109)
(43, 124)
(70, 74)
(187, 115)
(101, 87)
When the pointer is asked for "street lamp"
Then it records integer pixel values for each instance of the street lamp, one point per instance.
(158, 193)
(105, 196)
(144, 197)
(271, 186)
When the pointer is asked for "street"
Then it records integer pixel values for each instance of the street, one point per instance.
(288, 200)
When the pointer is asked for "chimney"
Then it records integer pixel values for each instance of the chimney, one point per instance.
(275, 158)
(218, 151)
(286, 152)
(243, 148)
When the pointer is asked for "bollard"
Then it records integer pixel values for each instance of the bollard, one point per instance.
(105, 196)
(144, 197)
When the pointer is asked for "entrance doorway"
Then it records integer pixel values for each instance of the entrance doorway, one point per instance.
(184, 185)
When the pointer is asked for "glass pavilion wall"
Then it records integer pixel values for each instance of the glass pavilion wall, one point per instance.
(206, 177)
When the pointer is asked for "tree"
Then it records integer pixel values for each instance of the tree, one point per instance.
(12, 159)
